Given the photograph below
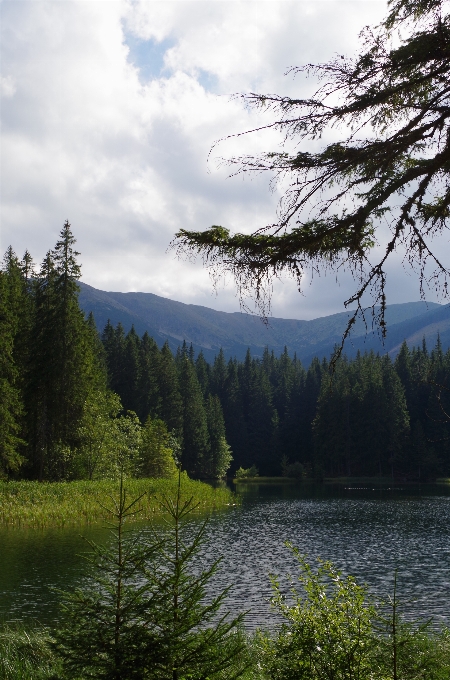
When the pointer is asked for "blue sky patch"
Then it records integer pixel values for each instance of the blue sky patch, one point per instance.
(207, 80)
(147, 55)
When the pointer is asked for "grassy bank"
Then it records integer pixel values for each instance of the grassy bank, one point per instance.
(59, 504)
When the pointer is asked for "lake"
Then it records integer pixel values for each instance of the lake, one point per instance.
(366, 531)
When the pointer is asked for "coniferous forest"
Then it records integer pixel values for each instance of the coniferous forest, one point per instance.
(78, 405)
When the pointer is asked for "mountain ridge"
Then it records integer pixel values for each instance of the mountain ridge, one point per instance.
(235, 332)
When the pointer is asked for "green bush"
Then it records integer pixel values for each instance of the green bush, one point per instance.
(243, 473)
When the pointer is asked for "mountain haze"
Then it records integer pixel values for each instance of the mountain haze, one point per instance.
(209, 330)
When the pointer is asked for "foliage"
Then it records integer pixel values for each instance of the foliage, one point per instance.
(377, 416)
(96, 453)
(332, 630)
(242, 473)
(362, 414)
(327, 631)
(389, 167)
(201, 641)
(144, 613)
(157, 454)
(294, 470)
(12, 296)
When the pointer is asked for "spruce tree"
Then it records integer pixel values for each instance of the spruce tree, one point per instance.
(203, 374)
(129, 388)
(195, 431)
(65, 364)
(219, 455)
(11, 403)
(148, 390)
(144, 613)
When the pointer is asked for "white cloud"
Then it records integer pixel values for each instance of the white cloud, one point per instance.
(115, 136)
(7, 87)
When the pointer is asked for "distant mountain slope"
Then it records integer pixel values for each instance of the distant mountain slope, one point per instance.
(210, 330)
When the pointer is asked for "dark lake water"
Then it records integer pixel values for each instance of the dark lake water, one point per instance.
(367, 532)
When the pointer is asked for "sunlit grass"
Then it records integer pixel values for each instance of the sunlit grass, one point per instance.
(59, 504)
(26, 654)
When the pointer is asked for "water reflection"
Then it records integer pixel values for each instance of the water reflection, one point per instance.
(367, 531)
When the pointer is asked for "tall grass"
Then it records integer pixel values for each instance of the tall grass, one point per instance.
(59, 504)
(26, 654)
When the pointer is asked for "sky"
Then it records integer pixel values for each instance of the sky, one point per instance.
(109, 111)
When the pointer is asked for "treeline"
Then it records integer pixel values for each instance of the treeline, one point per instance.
(74, 405)
(370, 416)
(60, 417)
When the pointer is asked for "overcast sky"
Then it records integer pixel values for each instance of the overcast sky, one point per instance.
(108, 112)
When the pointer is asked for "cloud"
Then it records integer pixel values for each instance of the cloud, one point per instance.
(109, 111)
(7, 87)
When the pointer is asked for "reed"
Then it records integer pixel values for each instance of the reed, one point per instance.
(57, 504)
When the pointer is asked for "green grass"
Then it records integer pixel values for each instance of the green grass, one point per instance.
(59, 504)
(26, 654)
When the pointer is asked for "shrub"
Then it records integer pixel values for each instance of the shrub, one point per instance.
(242, 473)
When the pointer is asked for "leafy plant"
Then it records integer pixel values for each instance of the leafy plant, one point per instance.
(327, 632)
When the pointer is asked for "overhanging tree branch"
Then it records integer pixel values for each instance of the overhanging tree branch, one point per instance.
(391, 166)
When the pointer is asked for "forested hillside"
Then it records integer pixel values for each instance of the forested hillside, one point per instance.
(77, 405)
(372, 416)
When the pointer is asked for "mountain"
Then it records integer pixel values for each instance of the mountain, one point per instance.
(209, 330)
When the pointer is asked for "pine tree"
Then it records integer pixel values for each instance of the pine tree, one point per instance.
(148, 390)
(106, 622)
(145, 613)
(390, 165)
(171, 405)
(65, 365)
(195, 431)
(203, 374)
(219, 455)
(231, 398)
(11, 403)
(129, 388)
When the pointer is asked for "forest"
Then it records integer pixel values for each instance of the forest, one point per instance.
(76, 404)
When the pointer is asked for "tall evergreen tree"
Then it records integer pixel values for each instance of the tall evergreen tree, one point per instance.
(171, 405)
(219, 456)
(148, 390)
(65, 364)
(195, 431)
(11, 404)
